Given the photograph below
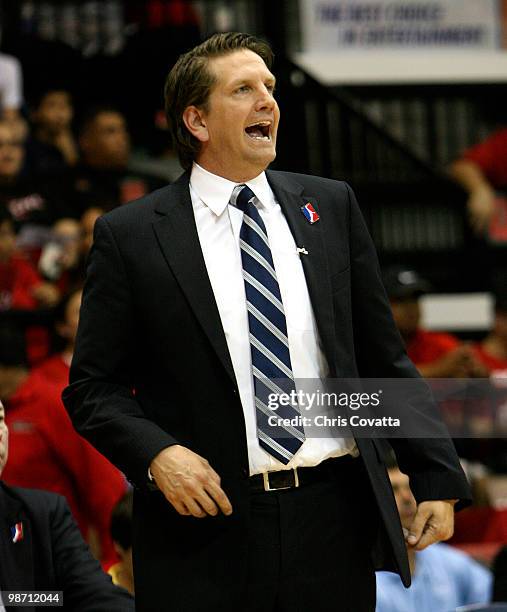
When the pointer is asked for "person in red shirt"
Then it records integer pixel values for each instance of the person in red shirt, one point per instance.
(56, 368)
(492, 351)
(48, 453)
(21, 287)
(482, 170)
(436, 354)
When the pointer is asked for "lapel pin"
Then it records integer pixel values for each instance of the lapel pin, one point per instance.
(311, 215)
(301, 250)
(17, 532)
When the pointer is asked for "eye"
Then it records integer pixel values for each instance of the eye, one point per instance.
(243, 89)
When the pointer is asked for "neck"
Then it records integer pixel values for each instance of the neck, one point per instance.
(46, 135)
(235, 175)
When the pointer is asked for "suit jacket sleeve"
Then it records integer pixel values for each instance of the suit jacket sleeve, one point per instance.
(100, 398)
(86, 588)
(431, 464)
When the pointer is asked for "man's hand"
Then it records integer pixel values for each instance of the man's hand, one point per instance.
(189, 483)
(433, 522)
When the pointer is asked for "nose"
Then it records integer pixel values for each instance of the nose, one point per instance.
(265, 99)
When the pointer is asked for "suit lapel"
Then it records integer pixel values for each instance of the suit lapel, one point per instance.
(16, 558)
(178, 239)
(310, 236)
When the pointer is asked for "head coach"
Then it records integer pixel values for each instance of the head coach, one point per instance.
(198, 297)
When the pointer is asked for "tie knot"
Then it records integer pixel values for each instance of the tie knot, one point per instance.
(241, 197)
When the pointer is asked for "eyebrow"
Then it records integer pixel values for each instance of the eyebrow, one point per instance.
(236, 82)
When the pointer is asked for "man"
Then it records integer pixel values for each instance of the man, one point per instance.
(492, 350)
(104, 177)
(34, 202)
(191, 294)
(41, 549)
(443, 578)
(11, 94)
(52, 148)
(436, 354)
(481, 171)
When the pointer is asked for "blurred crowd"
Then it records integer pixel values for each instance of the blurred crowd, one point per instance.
(58, 173)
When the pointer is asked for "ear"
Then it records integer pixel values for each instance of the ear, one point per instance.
(195, 123)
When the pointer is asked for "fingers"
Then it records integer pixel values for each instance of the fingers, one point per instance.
(220, 498)
(189, 483)
(418, 525)
(433, 522)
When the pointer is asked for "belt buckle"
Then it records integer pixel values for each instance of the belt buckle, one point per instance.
(267, 484)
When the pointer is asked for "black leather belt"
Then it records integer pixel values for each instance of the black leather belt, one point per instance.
(297, 477)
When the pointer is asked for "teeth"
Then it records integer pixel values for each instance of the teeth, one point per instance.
(259, 137)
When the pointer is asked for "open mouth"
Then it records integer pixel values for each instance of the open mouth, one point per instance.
(259, 131)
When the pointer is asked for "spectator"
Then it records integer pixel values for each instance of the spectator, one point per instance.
(103, 178)
(52, 147)
(482, 170)
(48, 453)
(436, 355)
(442, 578)
(121, 532)
(21, 287)
(492, 351)
(60, 260)
(45, 550)
(32, 202)
(56, 368)
(11, 94)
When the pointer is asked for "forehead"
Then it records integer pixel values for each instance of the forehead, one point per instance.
(104, 120)
(53, 97)
(2, 410)
(241, 64)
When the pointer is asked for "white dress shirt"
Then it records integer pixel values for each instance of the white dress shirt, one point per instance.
(218, 226)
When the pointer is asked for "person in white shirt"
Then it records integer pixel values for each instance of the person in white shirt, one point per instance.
(203, 300)
(11, 94)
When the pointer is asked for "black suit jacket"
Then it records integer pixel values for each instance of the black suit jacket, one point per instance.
(151, 368)
(52, 555)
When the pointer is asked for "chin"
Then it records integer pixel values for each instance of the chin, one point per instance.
(267, 158)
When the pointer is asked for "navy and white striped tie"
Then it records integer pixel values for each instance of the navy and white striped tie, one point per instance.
(271, 365)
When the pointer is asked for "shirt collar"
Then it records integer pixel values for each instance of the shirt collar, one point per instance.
(215, 191)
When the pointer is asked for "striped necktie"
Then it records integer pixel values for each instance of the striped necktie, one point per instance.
(269, 345)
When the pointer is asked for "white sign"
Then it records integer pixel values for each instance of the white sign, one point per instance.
(390, 24)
